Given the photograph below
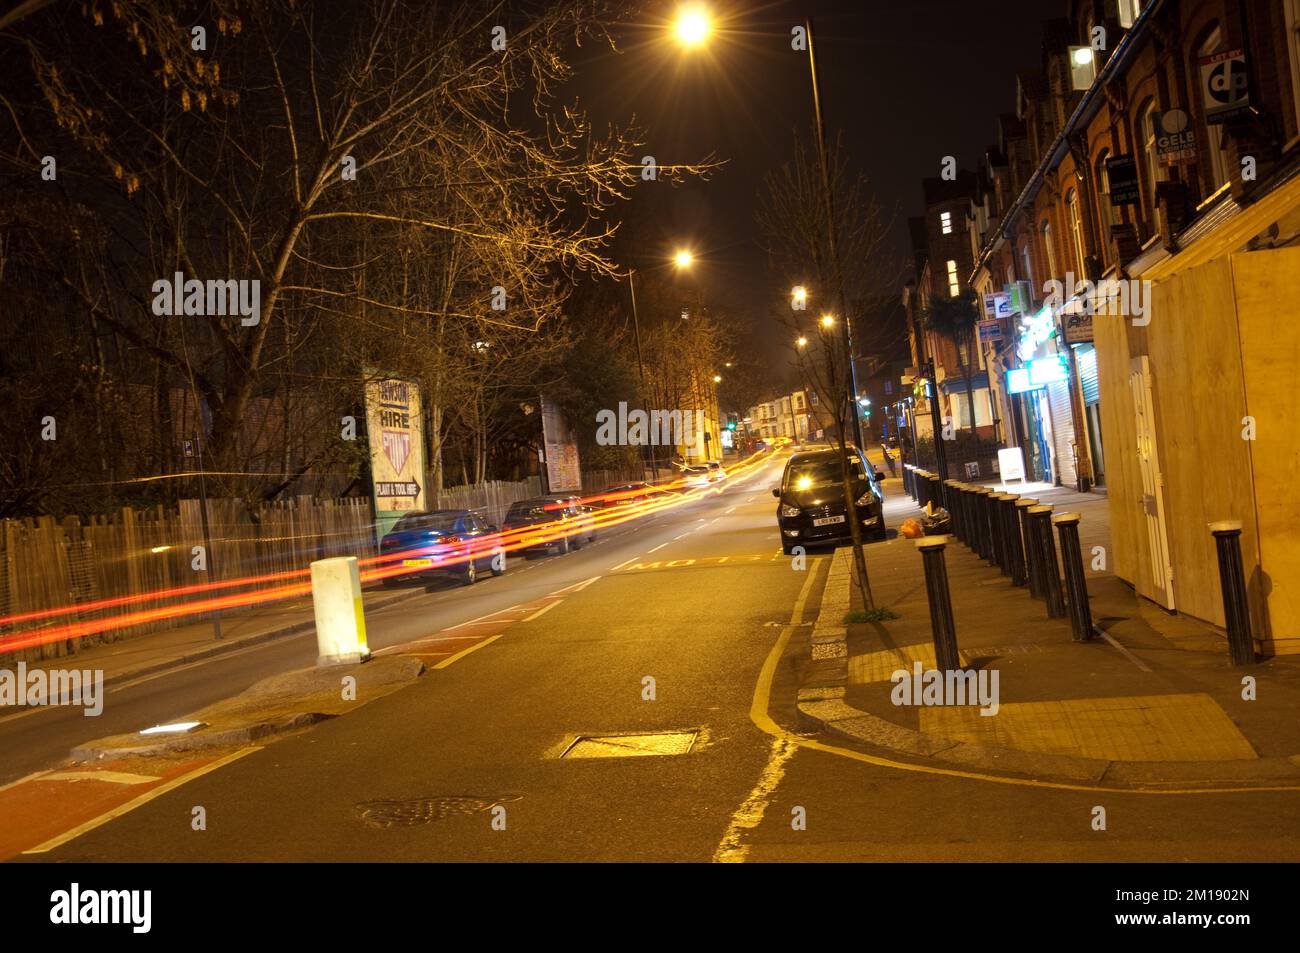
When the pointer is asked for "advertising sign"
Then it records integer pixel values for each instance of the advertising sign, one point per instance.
(990, 331)
(560, 448)
(1011, 464)
(1122, 174)
(395, 426)
(1224, 88)
(1175, 137)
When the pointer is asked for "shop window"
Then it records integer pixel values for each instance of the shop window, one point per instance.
(1076, 230)
(1128, 12)
(1105, 212)
(1216, 155)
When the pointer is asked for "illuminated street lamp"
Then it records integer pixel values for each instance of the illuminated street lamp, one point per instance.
(717, 379)
(683, 259)
(802, 342)
(799, 295)
(693, 26)
(827, 320)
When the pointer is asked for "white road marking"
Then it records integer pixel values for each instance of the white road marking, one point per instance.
(728, 511)
(750, 813)
(624, 563)
(1123, 651)
(143, 799)
(657, 548)
(113, 777)
(543, 610)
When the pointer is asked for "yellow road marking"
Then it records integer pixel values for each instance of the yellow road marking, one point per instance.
(132, 804)
(543, 610)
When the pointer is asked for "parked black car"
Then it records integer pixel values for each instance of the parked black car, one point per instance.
(812, 510)
(628, 493)
(563, 509)
(449, 542)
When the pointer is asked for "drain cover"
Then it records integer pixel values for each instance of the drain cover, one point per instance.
(631, 746)
(412, 812)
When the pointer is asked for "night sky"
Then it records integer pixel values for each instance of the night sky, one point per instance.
(906, 81)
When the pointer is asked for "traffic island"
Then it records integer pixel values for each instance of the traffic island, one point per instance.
(274, 706)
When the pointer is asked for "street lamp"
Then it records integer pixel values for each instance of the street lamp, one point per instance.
(693, 26)
(827, 320)
(683, 259)
(802, 342)
(799, 294)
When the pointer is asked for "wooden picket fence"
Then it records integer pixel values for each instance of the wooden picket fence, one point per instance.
(74, 563)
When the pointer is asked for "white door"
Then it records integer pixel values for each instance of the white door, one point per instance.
(1153, 485)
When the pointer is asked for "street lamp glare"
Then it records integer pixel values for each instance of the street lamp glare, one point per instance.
(827, 320)
(683, 259)
(693, 26)
(802, 342)
(799, 293)
(717, 378)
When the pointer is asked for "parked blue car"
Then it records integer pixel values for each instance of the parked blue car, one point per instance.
(441, 542)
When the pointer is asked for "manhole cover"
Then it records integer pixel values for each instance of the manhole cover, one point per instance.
(412, 812)
(631, 746)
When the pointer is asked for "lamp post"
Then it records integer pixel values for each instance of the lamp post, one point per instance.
(830, 227)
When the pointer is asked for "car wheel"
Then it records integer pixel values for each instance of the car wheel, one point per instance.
(499, 563)
(787, 549)
(470, 575)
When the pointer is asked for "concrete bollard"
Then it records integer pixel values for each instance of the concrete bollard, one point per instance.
(1040, 518)
(340, 617)
(1030, 550)
(942, 629)
(1076, 585)
(1232, 582)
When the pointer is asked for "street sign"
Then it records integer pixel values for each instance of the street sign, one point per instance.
(1011, 464)
(1122, 174)
(391, 488)
(990, 331)
(1175, 137)
(1224, 88)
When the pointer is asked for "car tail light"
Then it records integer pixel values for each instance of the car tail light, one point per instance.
(450, 539)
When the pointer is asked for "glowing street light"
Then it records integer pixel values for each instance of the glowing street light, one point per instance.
(802, 342)
(683, 259)
(717, 378)
(827, 320)
(800, 295)
(693, 26)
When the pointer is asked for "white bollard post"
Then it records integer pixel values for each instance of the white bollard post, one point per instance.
(340, 617)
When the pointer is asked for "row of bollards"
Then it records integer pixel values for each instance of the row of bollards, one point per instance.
(1015, 535)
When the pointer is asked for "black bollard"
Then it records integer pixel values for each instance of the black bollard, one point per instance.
(936, 590)
(1015, 543)
(995, 533)
(1232, 580)
(954, 511)
(1076, 586)
(936, 492)
(1031, 550)
(1002, 506)
(922, 488)
(979, 532)
(1010, 542)
(1049, 572)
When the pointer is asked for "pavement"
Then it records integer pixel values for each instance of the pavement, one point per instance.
(1153, 702)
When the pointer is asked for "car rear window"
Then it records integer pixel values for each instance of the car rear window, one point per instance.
(428, 522)
(823, 470)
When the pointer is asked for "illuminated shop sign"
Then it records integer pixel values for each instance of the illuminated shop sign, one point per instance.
(1034, 330)
(1036, 374)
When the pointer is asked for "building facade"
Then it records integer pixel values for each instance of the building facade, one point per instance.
(1135, 242)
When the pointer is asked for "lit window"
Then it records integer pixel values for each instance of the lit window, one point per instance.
(954, 286)
(1128, 12)
(945, 222)
(1076, 230)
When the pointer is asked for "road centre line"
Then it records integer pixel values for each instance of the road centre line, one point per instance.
(543, 610)
(461, 654)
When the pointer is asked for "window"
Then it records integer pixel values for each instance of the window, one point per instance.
(1292, 26)
(1027, 264)
(1076, 231)
(945, 222)
(1216, 155)
(1050, 249)
(1151, 170)
(954, 285)
(1128, 12)
(1105, 212)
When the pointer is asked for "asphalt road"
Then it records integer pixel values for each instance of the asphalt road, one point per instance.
(696, 601)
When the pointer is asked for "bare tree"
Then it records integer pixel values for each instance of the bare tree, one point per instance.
(792, 220)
